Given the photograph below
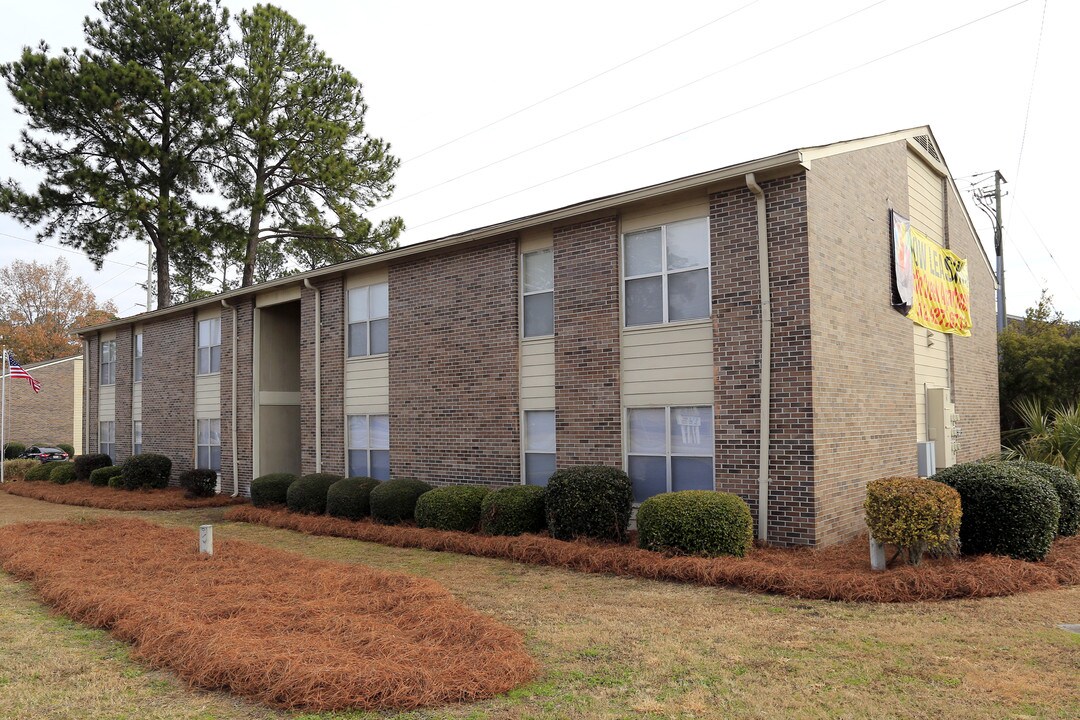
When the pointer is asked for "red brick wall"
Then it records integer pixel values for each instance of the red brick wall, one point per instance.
(588, 416)
(168, 390)
(244, 318)
(46, 417)
(332, 377)
(454, 366)
(124, 362)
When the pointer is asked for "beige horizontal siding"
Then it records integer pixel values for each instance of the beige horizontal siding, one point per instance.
(77, 426)
(538, 374)
(670, 365)
(367, 385)
(647, 215)
(925, 201)
(931, 370)
(207, 396)
(107, 402)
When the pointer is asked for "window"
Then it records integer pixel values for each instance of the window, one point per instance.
(136, 437)
(666, 273)
(208, 444)
(108, 362)
(107, 438)
(136, 365)
(537, 294)
(369, 446)
(670, 449)
(539, 444)
(209, 348)
(369, 308)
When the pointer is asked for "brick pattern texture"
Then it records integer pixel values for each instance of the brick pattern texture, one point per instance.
(92, 368)
(124, 363)
(168, 400)
(46, 417)
(245, 335)
(454, 366)
(332, 377)
(737, 355)
(588, 415)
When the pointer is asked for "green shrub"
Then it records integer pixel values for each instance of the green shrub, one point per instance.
(117, 481)
(69, 449)
(200, 482)
(308, 494)
(1067, 488)
(592, 501)
(696, 522)
(17, 469)
(147, 471)
(272, 489)
(350, 498)
(40, 472)
(13, 450)
(101, 476)
(1007, 510)
(86, 464)
(454, 507)
(513, 510)
(394, 501)
(61, 473)
(915, 515)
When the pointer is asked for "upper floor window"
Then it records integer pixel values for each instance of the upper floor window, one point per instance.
(136, 366)
(369, 330)
(537, 294)
(670, 449)
(108, 362)
(666, 273)
(209, 348)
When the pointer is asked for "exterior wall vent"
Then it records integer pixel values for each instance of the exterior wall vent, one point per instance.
(928, 146)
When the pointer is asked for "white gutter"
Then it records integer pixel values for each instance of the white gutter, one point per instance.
(235, 454)
(318, 374)
(766, 358)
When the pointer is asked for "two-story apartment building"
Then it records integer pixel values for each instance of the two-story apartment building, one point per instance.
(735, 329)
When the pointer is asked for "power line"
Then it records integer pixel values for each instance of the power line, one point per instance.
(1031, 92)
(729, 115)
(580, 83)
(1047, 249)
(63, 249)
(629, 107)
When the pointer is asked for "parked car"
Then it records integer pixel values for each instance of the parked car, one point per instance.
(44, 454)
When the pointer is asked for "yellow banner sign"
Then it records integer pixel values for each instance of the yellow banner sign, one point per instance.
(930, 281)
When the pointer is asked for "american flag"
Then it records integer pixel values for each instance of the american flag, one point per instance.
(18, 372)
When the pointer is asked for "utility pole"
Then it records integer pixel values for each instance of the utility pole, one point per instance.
(982, 196)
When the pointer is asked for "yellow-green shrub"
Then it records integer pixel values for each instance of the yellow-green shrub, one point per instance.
(17, 469)
(915, 515)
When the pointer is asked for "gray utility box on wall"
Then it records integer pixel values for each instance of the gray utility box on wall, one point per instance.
(927, 459)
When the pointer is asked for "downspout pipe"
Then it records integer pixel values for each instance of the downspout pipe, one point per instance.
(318, 373)
(235, 454)
(766, 358)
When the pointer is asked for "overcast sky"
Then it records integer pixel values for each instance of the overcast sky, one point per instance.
(563, 101)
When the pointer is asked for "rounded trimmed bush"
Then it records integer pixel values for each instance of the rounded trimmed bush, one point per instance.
(17, 469)
(592, 501)
(198, 483)
(454, 507)
(513, 510)
(69, 449)
(308, 494)
(86, 464)
(1067, 486)
(696, 522)
(350, 498)
(915, 515)
(272, 489)
(13, 450)
(41, 472)
(117, 481)
(147, 471)
(101, 476)
(394, 501)
(61, 473)
(1008, 510)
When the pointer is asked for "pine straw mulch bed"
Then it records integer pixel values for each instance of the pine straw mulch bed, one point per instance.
(107, 498)
(269, 625)
(839, 572)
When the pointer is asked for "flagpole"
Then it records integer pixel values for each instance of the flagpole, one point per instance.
(3, 412)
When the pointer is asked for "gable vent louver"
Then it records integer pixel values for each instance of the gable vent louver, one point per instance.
(928, 146)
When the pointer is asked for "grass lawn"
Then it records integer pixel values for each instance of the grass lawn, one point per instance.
(610, 647)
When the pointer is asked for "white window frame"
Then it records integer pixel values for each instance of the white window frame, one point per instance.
(137, 358)
(136, 437)
(525, 294)
(211, 444)
(215, 323)
(107, 448)
(368, 320)
(525, 441)
(667, 440)
(107, 373)
(369, 449)
(664, 273)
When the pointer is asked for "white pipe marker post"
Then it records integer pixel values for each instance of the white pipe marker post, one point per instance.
(877, 555)
(206, 539)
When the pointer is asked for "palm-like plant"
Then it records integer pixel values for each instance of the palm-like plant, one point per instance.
(1047, 436)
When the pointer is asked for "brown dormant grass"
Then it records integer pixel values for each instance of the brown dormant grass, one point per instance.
(836, 573)
(107, 498)
(272, 626)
